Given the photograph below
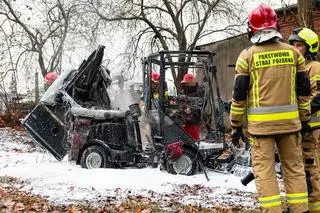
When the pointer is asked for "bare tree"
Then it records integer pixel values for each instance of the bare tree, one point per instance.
(305, 8)
(45, 40)
(4, 95)
(169, 24)
(6, 64)
(304, 15)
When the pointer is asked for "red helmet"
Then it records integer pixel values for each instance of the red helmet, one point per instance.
(188, 79)
(50, 77)
(263, 17)
(155, 77)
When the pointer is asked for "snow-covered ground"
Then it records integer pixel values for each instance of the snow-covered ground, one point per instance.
(65, 182)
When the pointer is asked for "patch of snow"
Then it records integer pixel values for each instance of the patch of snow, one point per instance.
(65, 182)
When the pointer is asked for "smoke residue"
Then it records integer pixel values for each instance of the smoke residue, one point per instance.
(121, 98)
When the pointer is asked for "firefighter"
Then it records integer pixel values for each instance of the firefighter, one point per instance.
(190, 88)
(307, 43)
(155, 86)
(155, 78)
(50, 77)
(272, 86)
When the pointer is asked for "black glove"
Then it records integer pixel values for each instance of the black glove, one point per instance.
(236, 134)
(315, 104)
(306, 128)
(227, 106)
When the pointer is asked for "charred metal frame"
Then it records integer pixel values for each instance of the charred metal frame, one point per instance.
(165, 60)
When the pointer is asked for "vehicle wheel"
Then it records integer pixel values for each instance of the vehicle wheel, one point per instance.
(186, 164)
(94, 157)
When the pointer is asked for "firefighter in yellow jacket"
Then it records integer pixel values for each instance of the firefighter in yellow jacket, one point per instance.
(272, 85)
(307, 42)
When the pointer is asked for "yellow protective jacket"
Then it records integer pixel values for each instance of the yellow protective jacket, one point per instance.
(155, 92)
(271, 88)
(313, 70)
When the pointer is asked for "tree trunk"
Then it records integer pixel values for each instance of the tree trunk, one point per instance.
(305, 8)
(41, 63)
(182, 70)
(36, 87)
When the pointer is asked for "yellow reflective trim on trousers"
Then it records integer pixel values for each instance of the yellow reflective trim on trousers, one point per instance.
(273, 116)
(315, 78)
(294, 195)
(305, 200)
(273, 58)
(271, 204)
(306, 105)
(314, 206)
(270, 201)
(298, 200)
(255, 88)
(242, 63)
(301, 60)
(293, 86)
(237, 110)
(295, 198)
(268, 198)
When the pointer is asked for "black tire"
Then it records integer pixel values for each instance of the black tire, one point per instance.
(186, 164)
(95, 157)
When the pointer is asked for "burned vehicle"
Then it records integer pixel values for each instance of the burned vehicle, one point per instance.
(74, 117)
(165, 114)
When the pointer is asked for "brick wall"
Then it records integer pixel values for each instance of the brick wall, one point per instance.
(287, 20)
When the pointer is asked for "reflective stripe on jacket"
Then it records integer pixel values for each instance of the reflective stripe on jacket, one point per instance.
(272, 86)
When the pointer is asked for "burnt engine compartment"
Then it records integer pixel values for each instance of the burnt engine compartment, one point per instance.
(117, 131)
(75, 113)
